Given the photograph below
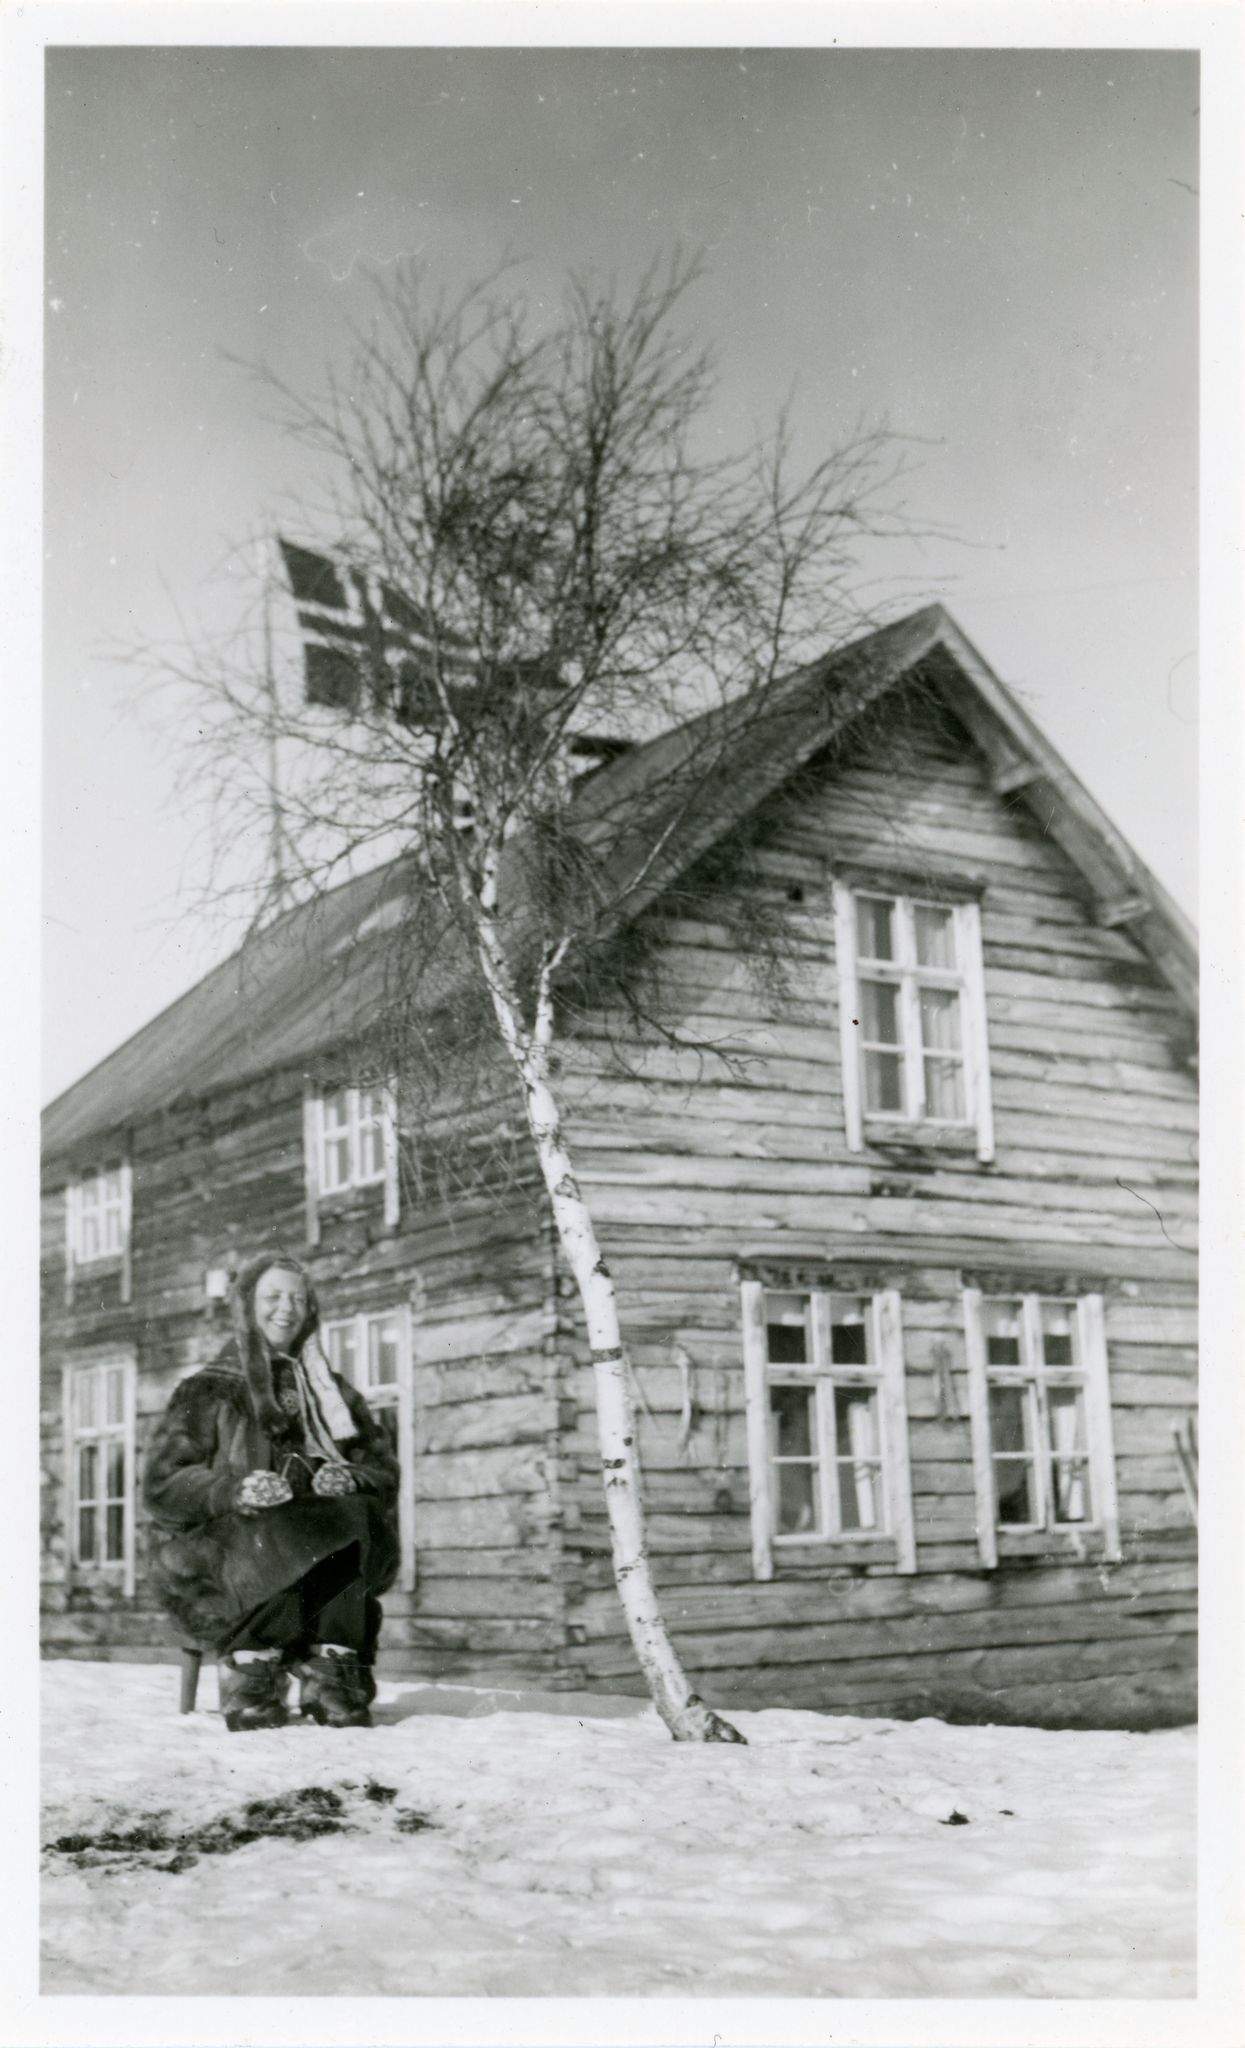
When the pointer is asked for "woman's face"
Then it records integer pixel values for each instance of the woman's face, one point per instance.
(280, 1305)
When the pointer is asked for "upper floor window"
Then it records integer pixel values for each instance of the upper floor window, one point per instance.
(827, 1422)
(1041, 1417)
(912, 1015)
(373, 1352)
(350, 1140)
(100, 1216)
(97, 1222)
(100, 1466)
(352, 1144)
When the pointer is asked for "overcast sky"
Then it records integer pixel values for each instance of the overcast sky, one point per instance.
(994, 250)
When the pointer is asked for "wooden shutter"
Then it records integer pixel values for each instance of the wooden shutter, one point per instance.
(897, 1475)
(756, 1399)
(313, 1125)
(849, 1030)
(127, 1218)
(389, 1139)
(976, 1044)
(979, 1422)
(1092, 1330)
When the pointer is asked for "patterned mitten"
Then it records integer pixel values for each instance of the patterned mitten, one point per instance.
(262, 1490)
(333, 1480)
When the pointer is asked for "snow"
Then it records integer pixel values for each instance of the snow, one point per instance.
(574, 1850)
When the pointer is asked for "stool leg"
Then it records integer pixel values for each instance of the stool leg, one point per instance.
(191, 1661)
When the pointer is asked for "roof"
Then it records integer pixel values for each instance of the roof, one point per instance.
(307, 981)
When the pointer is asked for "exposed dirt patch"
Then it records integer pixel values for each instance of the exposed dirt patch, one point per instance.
(155, 1842)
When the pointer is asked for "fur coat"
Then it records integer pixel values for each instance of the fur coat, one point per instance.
(211, 1563)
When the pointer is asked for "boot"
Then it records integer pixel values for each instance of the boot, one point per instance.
(335, 1689)
(252, 1693)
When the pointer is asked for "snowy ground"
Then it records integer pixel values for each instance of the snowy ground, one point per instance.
(580, 1852)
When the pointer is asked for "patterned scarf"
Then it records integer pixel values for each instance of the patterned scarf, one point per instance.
(324, 1415)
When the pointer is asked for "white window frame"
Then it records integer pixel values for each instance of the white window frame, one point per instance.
(884, 1372)
(321, 1184)
(905, 974)
(1089, 1376)
(89, 1191)
(397, 1395)
(102, 1433)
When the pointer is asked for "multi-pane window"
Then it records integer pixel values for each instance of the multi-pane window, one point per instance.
(369, 1351)
(101, 1216)
(911, 1009)
(99, 1446)
(373, 1353)
(827, 1421)
(1038, 1442)
(350, 1140)
(97, 1222)
(825, 1429)
(1041, 1414)
(912, 1013)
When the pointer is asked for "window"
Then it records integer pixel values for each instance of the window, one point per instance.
(912, 1015)
(350, 1140)
(352, 1150)
(97, 1223)
(373, 1352)
(827, 1422)
(1041, 1418)
(100, 1213)
(99, 1461)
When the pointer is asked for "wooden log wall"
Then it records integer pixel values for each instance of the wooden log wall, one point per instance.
(214, 1181)
(691, 1161)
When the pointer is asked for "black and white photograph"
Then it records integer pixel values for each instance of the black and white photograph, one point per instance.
(617, 624)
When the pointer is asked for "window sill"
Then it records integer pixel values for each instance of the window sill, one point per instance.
(834, 1553)
(1063, 1546)
(888, 1134)
(86, 1585)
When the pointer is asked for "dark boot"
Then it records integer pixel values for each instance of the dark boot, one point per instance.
(336, 1690)
(252, 1695)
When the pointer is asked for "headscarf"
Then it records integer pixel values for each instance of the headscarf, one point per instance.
(327, 1421)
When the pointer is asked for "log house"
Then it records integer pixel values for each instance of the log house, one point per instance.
(907, 1268)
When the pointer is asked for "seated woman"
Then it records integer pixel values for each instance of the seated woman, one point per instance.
(274, 1494)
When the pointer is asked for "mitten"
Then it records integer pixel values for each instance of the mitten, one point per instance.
(262, 1490)
(333, 1480)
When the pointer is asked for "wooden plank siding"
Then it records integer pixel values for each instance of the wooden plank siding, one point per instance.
(215, 1181)
(693, 1161)
(699, 1165)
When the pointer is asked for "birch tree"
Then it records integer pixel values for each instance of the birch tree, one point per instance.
(547, 541)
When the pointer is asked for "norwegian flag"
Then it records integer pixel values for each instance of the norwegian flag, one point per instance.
(360, 635)
(363, 641)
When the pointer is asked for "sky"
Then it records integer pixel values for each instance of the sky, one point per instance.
(993, 250)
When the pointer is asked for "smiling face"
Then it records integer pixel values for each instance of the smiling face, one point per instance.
(280, 1305)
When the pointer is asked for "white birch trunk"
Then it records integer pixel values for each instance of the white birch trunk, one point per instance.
(685, 1715)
